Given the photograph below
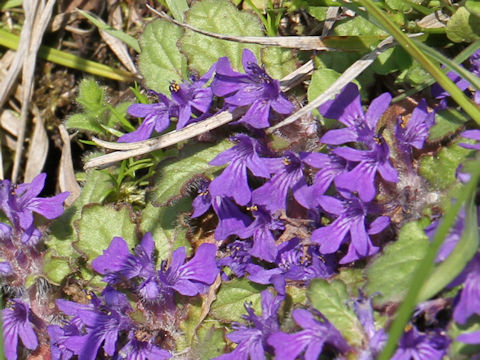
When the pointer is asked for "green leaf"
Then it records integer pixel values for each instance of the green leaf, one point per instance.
(178, 8)
(339, 62)
(56, 269)
(163, 222)
(390, 273)
(210, 342)
(321, 81)
(445, 162)
(84, 121)
(99, 224)
(60, 257)
(318, 12)
(447, 122)
(353, 279)
(400, 5)
(357, 26)
(92, 99)
(450, 65)
(229, 305)
(205, 342)
(331, 300)
(173, 174)
(8, 4)
(473, 6)
(118, 116)
(462, 351)
(391, 60)
(464, 250)
(160, 60)
(463, 26)
(278, 62)
(91, 96)
(221, 17)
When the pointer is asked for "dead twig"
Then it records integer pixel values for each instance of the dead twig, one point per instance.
(292, 42)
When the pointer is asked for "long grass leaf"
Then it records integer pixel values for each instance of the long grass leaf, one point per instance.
(10, 41)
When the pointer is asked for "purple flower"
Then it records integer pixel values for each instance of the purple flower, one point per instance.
(233, 181)
(469, 302)
(415, 131)
(192, 98)
(451, 239)
(361, 178)
(470, 338)
(471, 134)
(18, 202)
(288, 174)
(157, 116)
(254, 88)
(330, 166)
(117, 264)
(238, 257)
(17, 322)
(5, 268)
(192, 277)
(230, 219)
(291, 264)
(350, 224)
(203, 200)
(317, 331)
(376, 338)
(252, 339)
(419, 346)
(263, 239)
(137, 349)
(347, 109)
(103, 322)
(439, 93)
(59, 336)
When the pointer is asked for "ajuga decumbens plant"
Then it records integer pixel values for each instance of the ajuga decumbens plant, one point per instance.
(349, 233)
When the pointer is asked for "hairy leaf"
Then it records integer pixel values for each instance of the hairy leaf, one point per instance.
(231, 298)
(446, 162)
(331, 299)
(221, 17)
(160, 60)
(390, 273)
(60, 256)
(463, 26)
(176, 172)
(99, 224)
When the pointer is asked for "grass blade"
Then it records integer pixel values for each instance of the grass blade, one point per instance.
(10, 41)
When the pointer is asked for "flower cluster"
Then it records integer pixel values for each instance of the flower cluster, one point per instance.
(20, 254)
(191, 101)
(109, 320)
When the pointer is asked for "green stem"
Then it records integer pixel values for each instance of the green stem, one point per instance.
(436, 72)
(11, 41)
